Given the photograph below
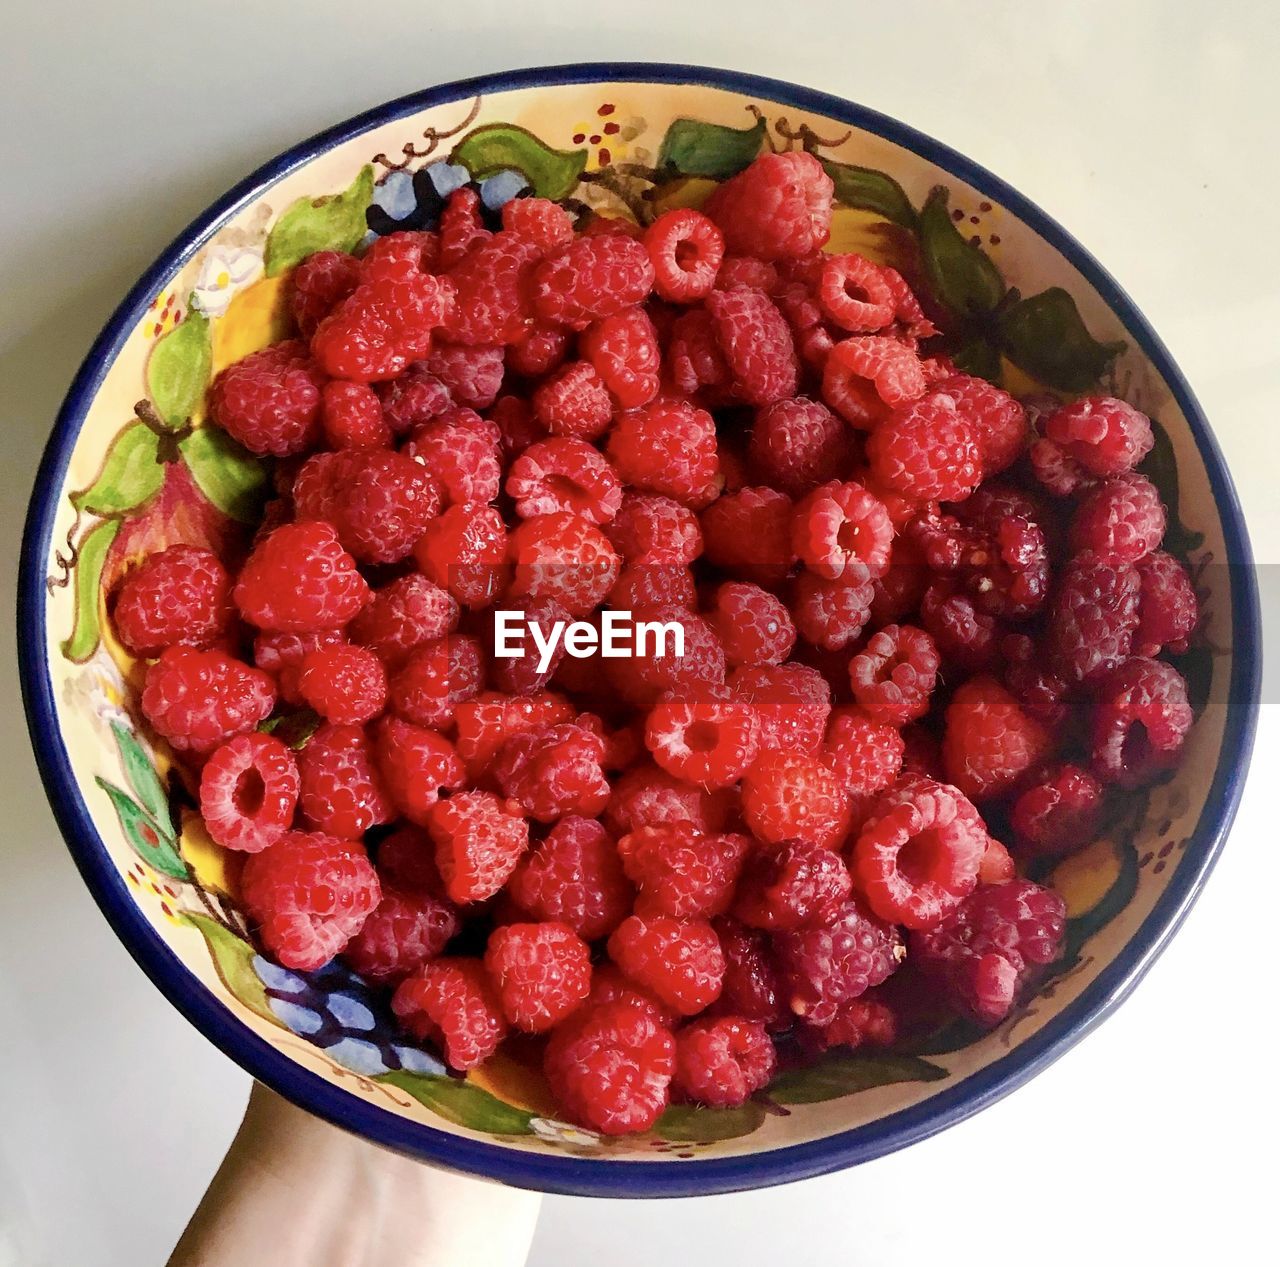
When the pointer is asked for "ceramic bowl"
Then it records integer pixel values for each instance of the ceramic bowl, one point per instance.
(125, 472)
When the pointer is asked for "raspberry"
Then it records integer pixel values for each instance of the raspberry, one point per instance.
(453, 1002)
(488, 720)
(990, 743)
(999, 422)
(1040, 692)
(624, 350)
(685, 248)
(404, 932)
(965, 637)
(610, 1066)
(864, 753)
(752, 988)
(403, 615)
(610, 985)
(681, 872)
(1140, 722)
(545, 223)
(642, 679)
(464, 551)
(494, 287)
(778, 208)
(473, 375)
(351, 417)
(694, 359)
(342, 793)
(344, 684)
(744, 272)
(407, 857)
(680, 961)
(574, 402)
(309, 894)
(703, 734)
(1092, 618)
(564, 557)
(912, 324)
(554, 772)
(196, 700)
(987, 952)
(899, 591)
(1096, 436)
(248, 791)
(653, 585)
(299, 579)
(748, 534)
(413, 399)
(854, 294)
(722, 1061)
(270, 400)
(893, 676)
(575, 877)
(400, 254)
(438, 676)
(831, 614)
(1058, 813)
(791, 702)
(478, 839)
(517, 427)
(865, 377)
(524, 674)
(791, 794)
(798, 444)
(647, 795)
(861, 1021)
(667, 447)
(541, 349)
(756, 343)
(1121, 519)
(824, 968)
(319, 284)
(416, 765)
(841, 530)
(282, 654)
(651, 529)
(591, 278)
(461, 228)
(564, 475)
(755, 627)
(918, 853)
(461, 460)
(542, 973)
(927, 450)
(1168, 610)
(793, 884)
(181, 595)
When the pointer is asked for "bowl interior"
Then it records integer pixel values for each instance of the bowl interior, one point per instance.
(122, 477)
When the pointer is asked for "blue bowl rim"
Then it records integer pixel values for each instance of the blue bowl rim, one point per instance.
(605, 1177)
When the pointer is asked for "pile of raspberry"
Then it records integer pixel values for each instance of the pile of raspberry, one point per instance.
(915, 611)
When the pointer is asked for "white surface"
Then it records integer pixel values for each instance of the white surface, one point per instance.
(1146, 128)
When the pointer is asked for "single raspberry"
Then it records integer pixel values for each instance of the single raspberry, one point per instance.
(319, 284)
(854, 294)
(542, 973)
(180, 595)
(987, 952)
(792, 884)
(403, 615)
(752, 987)
(694, 360)
(894, 675)
(791, 794)
(840, 530)
(435, 678)
(703, 734)
(248, 792)
(554, 772)
(462, 461)
(574, 402)
(610, 1067)
(351, 417)
(756, 344)
(831, 614)
(309, 894)
(1096, 436)
(792, 703)
(778, 208)
(1058, 813)
(822, 969)
(517, 427)
(681, 872)
(798, 444)
(723, 1061)
(755, 627)
(1092, 618)
(965, 637)
(911, 323)
(494, 288)
(400, 254)
(197, 700)
(344, 684)
(641, 679)
(564, 557)
(1040, 691)
(1121, 519)
(416, 765)
(564, 475)
(678, 960)
(464, 551)
(540, 350)
(990, 743)
(864, 753)
(859, 1022)
(1141, 717)
(918, 853)
(299, 579)
(653, 585)
(999, 422)
(624, 350)
(927, 450)
(610, 985)
(488, 720)
(270, 400)
(652, 529)
(282, 654)
(745, 272)
(461, 227)
(406, 930)
(1168, 609)
(416, 397)
(685, 248)
(479, 839)
(453, 1002)
(866, 377)
(667, 447)
(545, 223)
(591, 278)
(647, 795)
(748, 534)
(473, 375)
(341, 791)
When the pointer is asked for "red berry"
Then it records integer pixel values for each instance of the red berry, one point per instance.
(624, 350)
(472, 375)
(798, 444)
(416, 765)
(755, 627)
(610, 985)
(685, 248)
(680, 961)
(401, 254)
(748, 534)
(541, 349)
(196, 700)
(855, 294)
(270, 400)
(651, 529)
(453, 1002)
(436, 677)
(927, 450)
(778, 208)
(406, 930)
(464, 551)
(545, 223)
(413, 399)
(462, 460)
(756, 344)
(721, 1062)
(1095, 436)
(248, 792)
(344, 684)
(461, 228)
(791, 701)
(1168, 609)
(703, 734)
(792, 884)
(575, 402)
(1141, 718)
(403, 615)
(542, 973)
(479, 839)
(351, 417)
(681, 872)
(841, 530)
(999, 422)
(791, 794)
(591, 278)
(694, 359)
(893, 676)
(180, 595)
(866, 377)
(990, 743)
(1092, 618)
(564, 475)
(647, 795)
(831, 614)
(554, 772)
(667, 447)
(752, 987)
(282, 654)
(859, 1022)
(320, 283)
(493, 284)
(1058, 813)
(642, 679)
(1121, 519)
(565, 557)
(342, 793)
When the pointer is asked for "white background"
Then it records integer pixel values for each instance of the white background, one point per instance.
(1148, 129)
